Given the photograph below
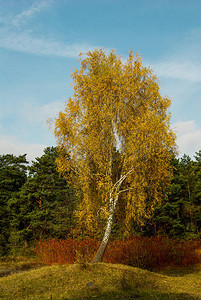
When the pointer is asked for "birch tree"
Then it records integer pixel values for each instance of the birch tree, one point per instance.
(116, 106)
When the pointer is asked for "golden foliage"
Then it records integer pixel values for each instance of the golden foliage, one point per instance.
(117, 131)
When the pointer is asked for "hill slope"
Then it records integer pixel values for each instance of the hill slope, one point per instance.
(98, 281)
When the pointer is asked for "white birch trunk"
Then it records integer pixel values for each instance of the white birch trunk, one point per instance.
(112, 207)
(101, 250)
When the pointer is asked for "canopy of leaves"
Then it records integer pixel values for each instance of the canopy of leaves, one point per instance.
(116, 107)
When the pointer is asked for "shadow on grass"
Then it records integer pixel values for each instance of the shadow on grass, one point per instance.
(7, 269)
(179, 272)
(138, 295)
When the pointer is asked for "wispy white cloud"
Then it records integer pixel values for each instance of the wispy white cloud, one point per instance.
(188, 137)
(36, 7)
(36, 113)
(12, 145)
(25, 42)
(178, 70)
(14, 36)
(30, 112)
(18, 21)
(31, 122)
(183, 62)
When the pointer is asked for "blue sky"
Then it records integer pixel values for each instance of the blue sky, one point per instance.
(40, 41)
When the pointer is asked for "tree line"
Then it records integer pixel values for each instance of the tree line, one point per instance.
(38, 203)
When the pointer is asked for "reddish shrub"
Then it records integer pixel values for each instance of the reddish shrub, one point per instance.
(65, 251)
(148, 253)
(153, 253)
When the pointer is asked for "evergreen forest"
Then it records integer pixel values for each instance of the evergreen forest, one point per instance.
(37, 203)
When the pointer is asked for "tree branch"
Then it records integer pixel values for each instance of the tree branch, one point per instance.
(126, 190)
(122, 178)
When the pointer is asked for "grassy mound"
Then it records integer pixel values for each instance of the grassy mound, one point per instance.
(98, 281)
(10, 265)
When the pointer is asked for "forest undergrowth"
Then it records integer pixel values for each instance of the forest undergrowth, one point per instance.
(153, 253)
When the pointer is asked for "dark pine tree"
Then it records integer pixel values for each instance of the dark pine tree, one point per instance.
(13, 175)
(44, 206)
(180, 214)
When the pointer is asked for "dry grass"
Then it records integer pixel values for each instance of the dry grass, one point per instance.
(100, 281)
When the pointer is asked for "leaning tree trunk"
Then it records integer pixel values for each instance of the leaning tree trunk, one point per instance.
(101, 250)
(113, 200)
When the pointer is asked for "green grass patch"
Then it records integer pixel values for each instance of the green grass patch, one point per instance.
(98, 281)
